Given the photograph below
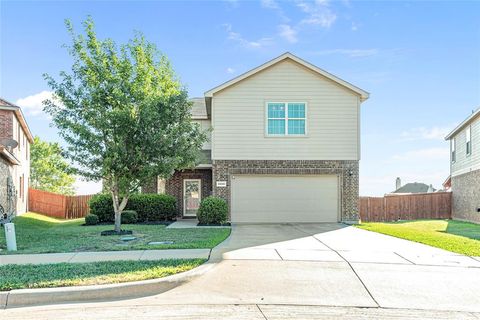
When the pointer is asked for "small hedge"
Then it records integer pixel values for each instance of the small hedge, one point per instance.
(91, 219)
(129, 216)
(212, 210)
(149, 207)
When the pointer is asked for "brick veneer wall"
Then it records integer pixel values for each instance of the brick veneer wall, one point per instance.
(466, 196)
(4, 174)
(174, 185)
(346, 169)
(6, 124)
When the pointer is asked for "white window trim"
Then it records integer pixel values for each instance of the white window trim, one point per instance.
(286, 120)
(185, 198)
(468, 139)
(453, 150)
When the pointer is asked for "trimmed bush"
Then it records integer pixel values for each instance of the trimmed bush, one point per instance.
(91, 219)
(129, 216)
(149, 207)
(153, 207)
(102, 206)
(213, 210)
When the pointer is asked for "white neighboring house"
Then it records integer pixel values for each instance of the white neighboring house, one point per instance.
(14, 162)
(465, 168)
(285, 146)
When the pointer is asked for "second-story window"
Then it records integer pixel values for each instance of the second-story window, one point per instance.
(452, 148)
(286, 118)
(468, 146)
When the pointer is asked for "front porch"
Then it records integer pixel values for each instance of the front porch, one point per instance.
(188, 187)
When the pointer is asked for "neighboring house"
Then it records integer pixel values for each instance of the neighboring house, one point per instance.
(447, 184)
(285, 146)
(413, 187)
(15, 140)
(465, 168)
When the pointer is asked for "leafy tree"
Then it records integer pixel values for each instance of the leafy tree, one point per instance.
(123, 113)
(49, 171)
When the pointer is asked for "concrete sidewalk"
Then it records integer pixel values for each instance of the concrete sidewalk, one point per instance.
(44, 258)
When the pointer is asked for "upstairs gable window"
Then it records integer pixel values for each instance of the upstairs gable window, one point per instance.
(286, 118)
(452, 149)
(468, 146)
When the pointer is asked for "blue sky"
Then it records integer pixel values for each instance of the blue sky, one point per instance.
(419, 60)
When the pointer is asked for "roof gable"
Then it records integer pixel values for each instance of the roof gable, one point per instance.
(363, 94)
(464, 123)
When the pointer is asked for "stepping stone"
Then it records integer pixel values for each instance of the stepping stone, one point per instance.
(128, 238)
(160, 242)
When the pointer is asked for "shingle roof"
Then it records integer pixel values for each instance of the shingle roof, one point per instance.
(415, 187)
(199, 109)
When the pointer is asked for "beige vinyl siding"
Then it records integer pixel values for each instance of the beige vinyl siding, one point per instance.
(239, 117)
(23, 169)
(463, 162)
(206, 126)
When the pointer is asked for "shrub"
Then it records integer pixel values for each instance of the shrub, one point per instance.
(129, 216)
(149, 207)
(91, 219)
(102, 206)
(153, 207)
(213, 210)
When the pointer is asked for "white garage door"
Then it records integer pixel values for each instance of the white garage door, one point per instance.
(284, 198)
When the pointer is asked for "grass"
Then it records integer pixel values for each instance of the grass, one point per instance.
(79, 274)
(40, 234)
(451, 235)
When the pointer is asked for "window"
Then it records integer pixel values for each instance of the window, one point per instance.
(286, 118)
(18, 136)
(469, 141)
(452, 149)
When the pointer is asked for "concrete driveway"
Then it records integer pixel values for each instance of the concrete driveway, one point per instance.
(295, 271)
(332, 265)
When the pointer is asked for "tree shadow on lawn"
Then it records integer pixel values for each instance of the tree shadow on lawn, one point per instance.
(463, 229)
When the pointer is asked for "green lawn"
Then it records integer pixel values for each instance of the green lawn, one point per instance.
(451, 235)
(79, 274)
(41, 234)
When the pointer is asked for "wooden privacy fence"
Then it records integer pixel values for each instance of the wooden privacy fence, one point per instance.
(58, 205)
(436, 205)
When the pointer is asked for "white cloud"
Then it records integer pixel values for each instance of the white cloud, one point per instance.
(354, 26)
(424, 155)
(32, 105)
(230, 70)
(275, 6)
(237, 37)
(352, 53)
(270, 4)
(318, 13)
(288, 33)
(423, 133)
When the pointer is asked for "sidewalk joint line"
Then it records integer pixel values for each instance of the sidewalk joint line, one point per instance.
(74, 255)
(351, 267)
(143, 252)
(6, 301)
(404, 258)
(258, 307)
(278, 253)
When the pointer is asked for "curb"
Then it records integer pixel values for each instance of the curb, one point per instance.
(96, 293)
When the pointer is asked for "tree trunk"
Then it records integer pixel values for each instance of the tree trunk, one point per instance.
(118, 208)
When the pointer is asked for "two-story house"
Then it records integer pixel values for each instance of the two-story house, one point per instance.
(465, 168)
(284, 146)
(15, 140)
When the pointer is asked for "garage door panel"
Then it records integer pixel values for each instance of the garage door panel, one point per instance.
(275, 199)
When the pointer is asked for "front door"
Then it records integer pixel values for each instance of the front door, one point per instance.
(192, 194)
